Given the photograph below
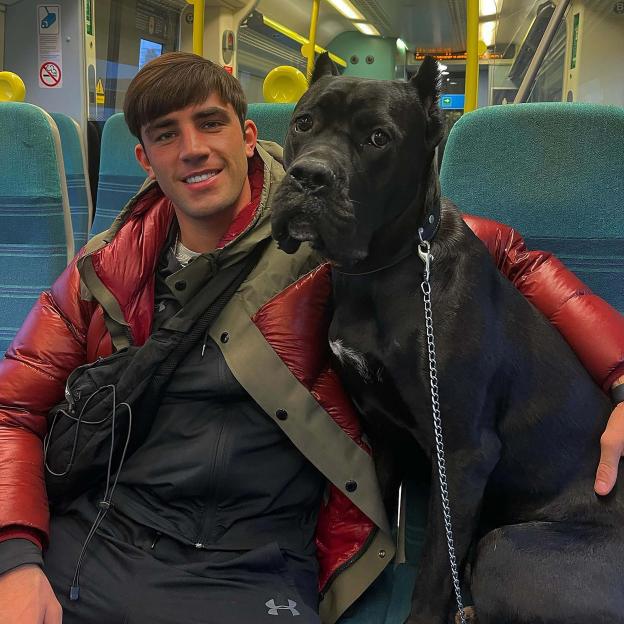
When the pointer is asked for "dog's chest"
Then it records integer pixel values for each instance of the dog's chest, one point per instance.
(363, 349)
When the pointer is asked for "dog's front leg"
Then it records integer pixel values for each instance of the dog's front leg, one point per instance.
(467, 470)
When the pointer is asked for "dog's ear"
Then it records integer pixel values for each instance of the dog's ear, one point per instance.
(427, 83)
(324, 66)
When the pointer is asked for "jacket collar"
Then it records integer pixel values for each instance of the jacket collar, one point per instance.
(117, 267)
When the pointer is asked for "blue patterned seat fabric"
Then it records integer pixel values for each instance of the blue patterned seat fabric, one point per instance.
(554, 172)
(76, 176)
(36, 240)
(121, 175)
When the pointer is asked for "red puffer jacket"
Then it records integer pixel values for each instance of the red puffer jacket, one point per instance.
(63, 331)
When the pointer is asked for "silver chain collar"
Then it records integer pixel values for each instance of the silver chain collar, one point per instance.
(424, 252)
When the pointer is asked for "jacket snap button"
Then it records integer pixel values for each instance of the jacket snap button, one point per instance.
(282, 414)
(382, 554)
(180, 285)
(351, 486)
(225, 337)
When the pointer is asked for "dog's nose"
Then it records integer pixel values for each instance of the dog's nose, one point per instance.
(313, 175)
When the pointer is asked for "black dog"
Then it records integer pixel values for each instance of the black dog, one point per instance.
(521, 417)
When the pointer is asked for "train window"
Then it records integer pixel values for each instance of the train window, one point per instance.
(129, 33)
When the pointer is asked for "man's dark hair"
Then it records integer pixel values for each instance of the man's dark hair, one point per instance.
(174, 81)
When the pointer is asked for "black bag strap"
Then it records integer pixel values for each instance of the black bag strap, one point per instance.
(216, 295)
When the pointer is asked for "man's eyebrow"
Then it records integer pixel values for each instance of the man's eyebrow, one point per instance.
(211, 111)
(166, 121)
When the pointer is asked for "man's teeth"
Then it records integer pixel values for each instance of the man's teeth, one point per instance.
(200, 178)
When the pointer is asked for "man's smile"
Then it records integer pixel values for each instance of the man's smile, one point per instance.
(201, 179)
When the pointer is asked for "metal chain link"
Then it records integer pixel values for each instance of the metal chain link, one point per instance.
(425, 255)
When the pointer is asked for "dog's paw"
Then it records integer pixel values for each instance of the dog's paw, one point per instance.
(470, 614)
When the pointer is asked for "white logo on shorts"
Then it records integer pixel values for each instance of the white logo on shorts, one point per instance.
(274, 609)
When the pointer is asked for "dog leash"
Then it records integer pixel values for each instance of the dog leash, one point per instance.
(424, 253)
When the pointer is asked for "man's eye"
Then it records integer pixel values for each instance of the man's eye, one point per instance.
(303, 123)
(165, 136)
(379, 138)
(211, 125)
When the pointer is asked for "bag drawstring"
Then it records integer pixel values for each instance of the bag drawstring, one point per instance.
(105, 504)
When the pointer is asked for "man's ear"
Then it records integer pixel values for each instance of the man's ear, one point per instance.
(324, 66)
(250, 135)
(141, 156)
(427, 83)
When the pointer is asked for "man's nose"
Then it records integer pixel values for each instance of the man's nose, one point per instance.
(193, 145)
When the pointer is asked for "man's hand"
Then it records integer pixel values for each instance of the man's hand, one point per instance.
(611, 449)
(26, 597)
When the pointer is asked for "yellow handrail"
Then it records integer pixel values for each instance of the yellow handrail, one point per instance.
(472, 55)
(312, 38)
(198, 26)
(295, 36)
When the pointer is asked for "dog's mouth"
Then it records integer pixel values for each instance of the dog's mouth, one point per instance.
(327, 224)
(299, 229)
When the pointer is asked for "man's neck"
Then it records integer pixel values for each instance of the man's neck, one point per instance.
(203, 235)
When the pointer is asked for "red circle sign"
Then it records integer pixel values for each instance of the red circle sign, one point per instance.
(50, 74)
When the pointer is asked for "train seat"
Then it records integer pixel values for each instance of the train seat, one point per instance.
(76, 176)
(36, 238)
(272, 120)
(554, 171)
(121, 175)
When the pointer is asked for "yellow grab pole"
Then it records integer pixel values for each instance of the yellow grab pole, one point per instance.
(472, 55)
(312, 38)
(198, 26)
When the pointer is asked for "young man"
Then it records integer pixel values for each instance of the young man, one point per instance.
(253, 493)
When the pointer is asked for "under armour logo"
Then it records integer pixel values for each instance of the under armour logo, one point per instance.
(274, 609)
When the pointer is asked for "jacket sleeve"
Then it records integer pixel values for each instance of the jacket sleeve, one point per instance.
(49, 345)
(593, 328)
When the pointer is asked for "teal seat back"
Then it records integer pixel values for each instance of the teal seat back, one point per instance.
(121, 175)
(272, 120)
(76, 177)
(555, 173)
(36, 239)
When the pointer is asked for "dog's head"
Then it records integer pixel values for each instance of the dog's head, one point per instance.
(358, 154)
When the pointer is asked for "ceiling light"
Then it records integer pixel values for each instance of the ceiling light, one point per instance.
(347, 9)
(488, 7)
(445, 73)
(401, 44)
(367, 29)
(487, 32)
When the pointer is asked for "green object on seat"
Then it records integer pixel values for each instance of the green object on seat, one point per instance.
(272, 120)
(553, 171)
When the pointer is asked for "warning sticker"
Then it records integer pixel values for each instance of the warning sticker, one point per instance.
(49, 44)
(99, 92)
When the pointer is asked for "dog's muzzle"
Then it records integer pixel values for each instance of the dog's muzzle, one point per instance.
(312, 204)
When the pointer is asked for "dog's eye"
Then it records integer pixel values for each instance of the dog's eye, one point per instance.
(303, 123)
(379, 138)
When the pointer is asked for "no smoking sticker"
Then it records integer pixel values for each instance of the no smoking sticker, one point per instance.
(50, 74)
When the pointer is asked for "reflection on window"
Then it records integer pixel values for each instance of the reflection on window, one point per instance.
(128, 34)
(149, 50)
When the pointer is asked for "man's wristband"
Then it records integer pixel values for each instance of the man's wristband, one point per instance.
(617, 394)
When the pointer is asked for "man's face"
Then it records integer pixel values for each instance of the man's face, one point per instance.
(198, 155)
